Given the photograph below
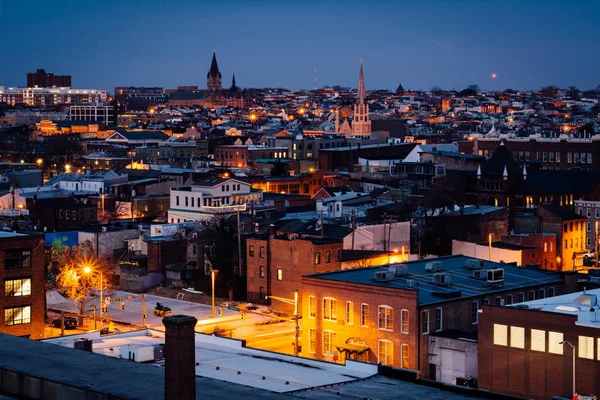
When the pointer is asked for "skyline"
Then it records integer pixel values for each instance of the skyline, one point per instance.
(268, 44)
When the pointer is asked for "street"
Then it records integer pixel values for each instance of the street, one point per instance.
(258, 330)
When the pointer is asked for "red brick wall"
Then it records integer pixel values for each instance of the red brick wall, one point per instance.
(35, 329)
(534, 374)
(295, 258)
(374, 296)
(163, 253)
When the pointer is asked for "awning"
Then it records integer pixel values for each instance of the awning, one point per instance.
(352, 348)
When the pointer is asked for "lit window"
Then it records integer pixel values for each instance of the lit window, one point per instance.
(538, 340)
(17, 315)
(251, 250)
(517, 337)
(586, 347)
(364, 314)
(279, 274)
(17, 287)
(404, 321)
(262, 271)
(349, 313)
(554, 339)
(385, 318)
(329, 309)
(317, 258)
(385, 354)
(312, 307)
(404, 356)
(312, 342)
(500, 334)
(328, 342)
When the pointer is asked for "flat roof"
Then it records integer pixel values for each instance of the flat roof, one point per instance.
(463, 285)
(230, 356)
(579, 304)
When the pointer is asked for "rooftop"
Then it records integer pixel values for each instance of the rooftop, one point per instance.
(584, 305)
(463, 284)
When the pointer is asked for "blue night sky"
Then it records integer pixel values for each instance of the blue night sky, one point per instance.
(421, 44)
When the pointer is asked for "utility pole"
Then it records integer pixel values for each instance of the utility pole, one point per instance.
(144, 315)
(384, 241)
(353, 226)
(239, 238)
(596, 250)
(322, 224)
(390, 234)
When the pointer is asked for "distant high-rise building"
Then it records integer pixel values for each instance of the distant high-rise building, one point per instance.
(43, 79)
(100, 113)
(361, 125)
(213, 77)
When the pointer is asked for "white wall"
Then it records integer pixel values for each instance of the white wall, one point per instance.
(479, 251)
(371, 237)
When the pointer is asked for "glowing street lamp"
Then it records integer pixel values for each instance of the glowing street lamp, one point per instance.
(294, 302)
(88, 270)
(573, 349)
(68, 167)
(212, 281)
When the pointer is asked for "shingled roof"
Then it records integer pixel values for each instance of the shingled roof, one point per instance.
(501, 159)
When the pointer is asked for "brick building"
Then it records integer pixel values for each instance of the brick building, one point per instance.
(569, 229)
(239, 155)
(23, 273)
(44, 79)
(387, 315)
(566, 152)
(61, 213)
(520, 350)
(590, 209)
(275, 265)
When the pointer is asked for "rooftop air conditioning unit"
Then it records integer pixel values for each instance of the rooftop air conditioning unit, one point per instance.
(495, 275)
(474, 264)
(480, 274)
(434, 266)
(399, 269)
(384, 276)
(442, 279)
(411, 283)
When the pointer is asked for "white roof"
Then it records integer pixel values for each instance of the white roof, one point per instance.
(582, 304)
(230, 356)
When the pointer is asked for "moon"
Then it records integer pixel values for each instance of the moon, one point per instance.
(494, 76)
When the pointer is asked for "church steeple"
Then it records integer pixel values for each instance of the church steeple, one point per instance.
(234, 88)
(213, 77)
(361, 124)
(361, 93)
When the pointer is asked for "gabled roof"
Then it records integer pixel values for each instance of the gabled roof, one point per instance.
(501, 159)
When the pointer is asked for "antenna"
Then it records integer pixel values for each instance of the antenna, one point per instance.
(315, 79)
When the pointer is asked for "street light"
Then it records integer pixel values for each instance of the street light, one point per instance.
(88, 270)
(572, 348)
(296, 317)
(212, 280)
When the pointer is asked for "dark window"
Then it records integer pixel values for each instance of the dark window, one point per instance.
(262, 271)
(251, 250)
(262, 252)
(262, 293)
(16, 259)
(337, 256)
(328, 257)
(176, 200)
(474, 312)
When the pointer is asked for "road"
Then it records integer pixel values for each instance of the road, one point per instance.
(259, 331)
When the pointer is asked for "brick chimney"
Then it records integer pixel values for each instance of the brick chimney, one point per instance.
(180, 357)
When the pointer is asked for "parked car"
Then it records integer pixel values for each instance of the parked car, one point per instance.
(70, 323)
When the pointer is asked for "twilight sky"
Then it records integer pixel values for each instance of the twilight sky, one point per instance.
(421, 44)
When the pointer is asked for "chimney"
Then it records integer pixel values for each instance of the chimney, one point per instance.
(180, 357)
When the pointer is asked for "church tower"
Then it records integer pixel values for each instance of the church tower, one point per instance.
(213, 77)
(234, 87)
(361, 125)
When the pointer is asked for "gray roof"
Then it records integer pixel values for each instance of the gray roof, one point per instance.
(463, 284)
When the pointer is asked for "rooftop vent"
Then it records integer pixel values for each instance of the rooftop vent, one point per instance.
(399, 269)
(587, 300)
(411, 283)
(383, 276)
(442, 279)
(434, 266)
(495, 275)
(474, 263)
(480, 274)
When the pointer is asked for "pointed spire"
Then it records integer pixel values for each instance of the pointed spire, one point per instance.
(524, 173)
(233, 85)
(505, 173)
(479, 172)
(361, 91)
(214, 67)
